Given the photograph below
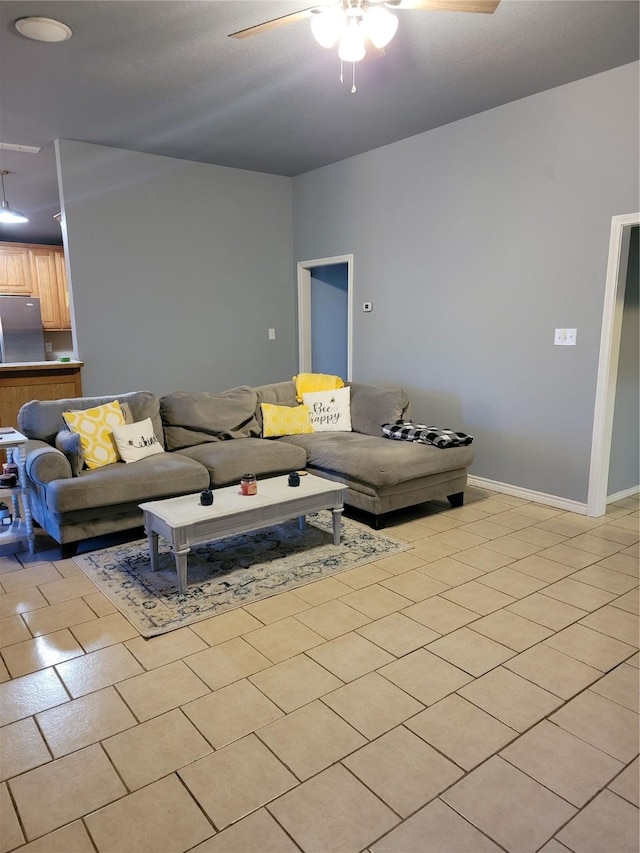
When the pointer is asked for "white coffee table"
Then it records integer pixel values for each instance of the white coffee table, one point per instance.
(183, 522)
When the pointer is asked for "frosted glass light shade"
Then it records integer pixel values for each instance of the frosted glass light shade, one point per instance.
(352, 43)
(380, 25)
(326, 26)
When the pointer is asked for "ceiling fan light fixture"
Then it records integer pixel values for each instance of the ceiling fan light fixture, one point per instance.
(7, 214)
(380, 26)
(351, 47)
(327, 25)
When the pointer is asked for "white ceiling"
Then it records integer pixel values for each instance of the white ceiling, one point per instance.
(162, 76)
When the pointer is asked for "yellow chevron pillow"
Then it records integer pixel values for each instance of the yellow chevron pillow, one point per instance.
(284, 420)
(307, 383)
(95, 428)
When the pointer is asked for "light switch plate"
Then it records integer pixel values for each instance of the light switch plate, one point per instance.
(565, 337)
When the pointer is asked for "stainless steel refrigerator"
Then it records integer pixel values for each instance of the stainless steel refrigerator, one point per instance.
(21, 336)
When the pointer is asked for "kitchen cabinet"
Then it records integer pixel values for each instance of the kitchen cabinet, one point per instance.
(28, 269)
(63, 290)
(20, 383)
(49, 283)
(15, 270)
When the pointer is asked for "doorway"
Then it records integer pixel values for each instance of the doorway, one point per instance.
(325, 316)
(610, 339)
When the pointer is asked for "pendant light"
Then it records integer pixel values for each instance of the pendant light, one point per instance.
(7, 214)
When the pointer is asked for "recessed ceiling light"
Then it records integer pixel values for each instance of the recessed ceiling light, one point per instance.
(43, 29)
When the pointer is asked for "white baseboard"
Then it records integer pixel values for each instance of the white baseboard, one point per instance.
(529, 495)
(625, 493)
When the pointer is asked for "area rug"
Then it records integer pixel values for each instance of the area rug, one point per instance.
(230, 572)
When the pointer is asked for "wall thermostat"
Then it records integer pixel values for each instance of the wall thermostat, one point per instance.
(367, 306)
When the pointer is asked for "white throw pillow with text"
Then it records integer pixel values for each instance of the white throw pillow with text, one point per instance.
(135, 441)
(329, 411)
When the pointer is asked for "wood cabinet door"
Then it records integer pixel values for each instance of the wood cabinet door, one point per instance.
(18, 387)
(45, 279)
(15, 270)
(63, 290)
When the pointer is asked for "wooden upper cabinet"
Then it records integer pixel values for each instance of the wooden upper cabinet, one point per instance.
(15, 270)
(63, 289)
(27, 269)
(45, 279)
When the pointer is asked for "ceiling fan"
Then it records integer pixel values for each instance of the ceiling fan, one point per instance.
(361, 27)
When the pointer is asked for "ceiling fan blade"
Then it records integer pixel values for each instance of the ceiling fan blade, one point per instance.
(274, 24)
(486, 6)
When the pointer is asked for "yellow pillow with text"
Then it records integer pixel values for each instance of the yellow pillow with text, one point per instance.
(95, 428)
(284, 420)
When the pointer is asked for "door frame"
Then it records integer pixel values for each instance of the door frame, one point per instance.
(608, 362)
(304, 309)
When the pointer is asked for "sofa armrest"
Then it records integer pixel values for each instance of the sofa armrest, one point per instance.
(45, 464)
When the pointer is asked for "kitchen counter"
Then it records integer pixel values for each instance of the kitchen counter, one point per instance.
(36, 380)
(13, 366)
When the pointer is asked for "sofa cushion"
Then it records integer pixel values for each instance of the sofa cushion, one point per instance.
(42, 419)
(376, 460)
(69, 443)
(371, 407)
(194, 417)
(95, 427)
(160, 476)
(227, 461)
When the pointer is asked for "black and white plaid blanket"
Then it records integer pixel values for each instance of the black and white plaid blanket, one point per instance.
(423, 434)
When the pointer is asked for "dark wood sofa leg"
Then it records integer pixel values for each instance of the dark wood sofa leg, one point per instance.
(68, 550)
(457, 499)
(379, 522)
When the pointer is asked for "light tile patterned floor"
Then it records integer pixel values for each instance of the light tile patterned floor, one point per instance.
(477, 693)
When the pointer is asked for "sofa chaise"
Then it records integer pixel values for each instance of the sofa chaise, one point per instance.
(211, 440)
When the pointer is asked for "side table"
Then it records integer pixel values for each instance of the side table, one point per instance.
(15, 445)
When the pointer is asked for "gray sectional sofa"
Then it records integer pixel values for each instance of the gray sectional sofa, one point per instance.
(212, 439)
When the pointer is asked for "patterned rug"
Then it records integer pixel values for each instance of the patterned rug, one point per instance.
(229, 572)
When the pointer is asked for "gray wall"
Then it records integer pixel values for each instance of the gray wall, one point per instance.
(474, 241)
(624, 462)
(177, 269)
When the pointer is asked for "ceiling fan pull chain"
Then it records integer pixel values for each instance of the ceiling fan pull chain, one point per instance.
(353, 78)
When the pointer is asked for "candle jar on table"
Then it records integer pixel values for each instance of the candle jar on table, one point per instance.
(249, 484)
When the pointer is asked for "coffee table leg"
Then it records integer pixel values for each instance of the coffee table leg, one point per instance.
(152, 541)
(301, 522)
(337, 524)
(181, 568)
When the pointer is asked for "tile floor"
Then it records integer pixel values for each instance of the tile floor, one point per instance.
(476, 693)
